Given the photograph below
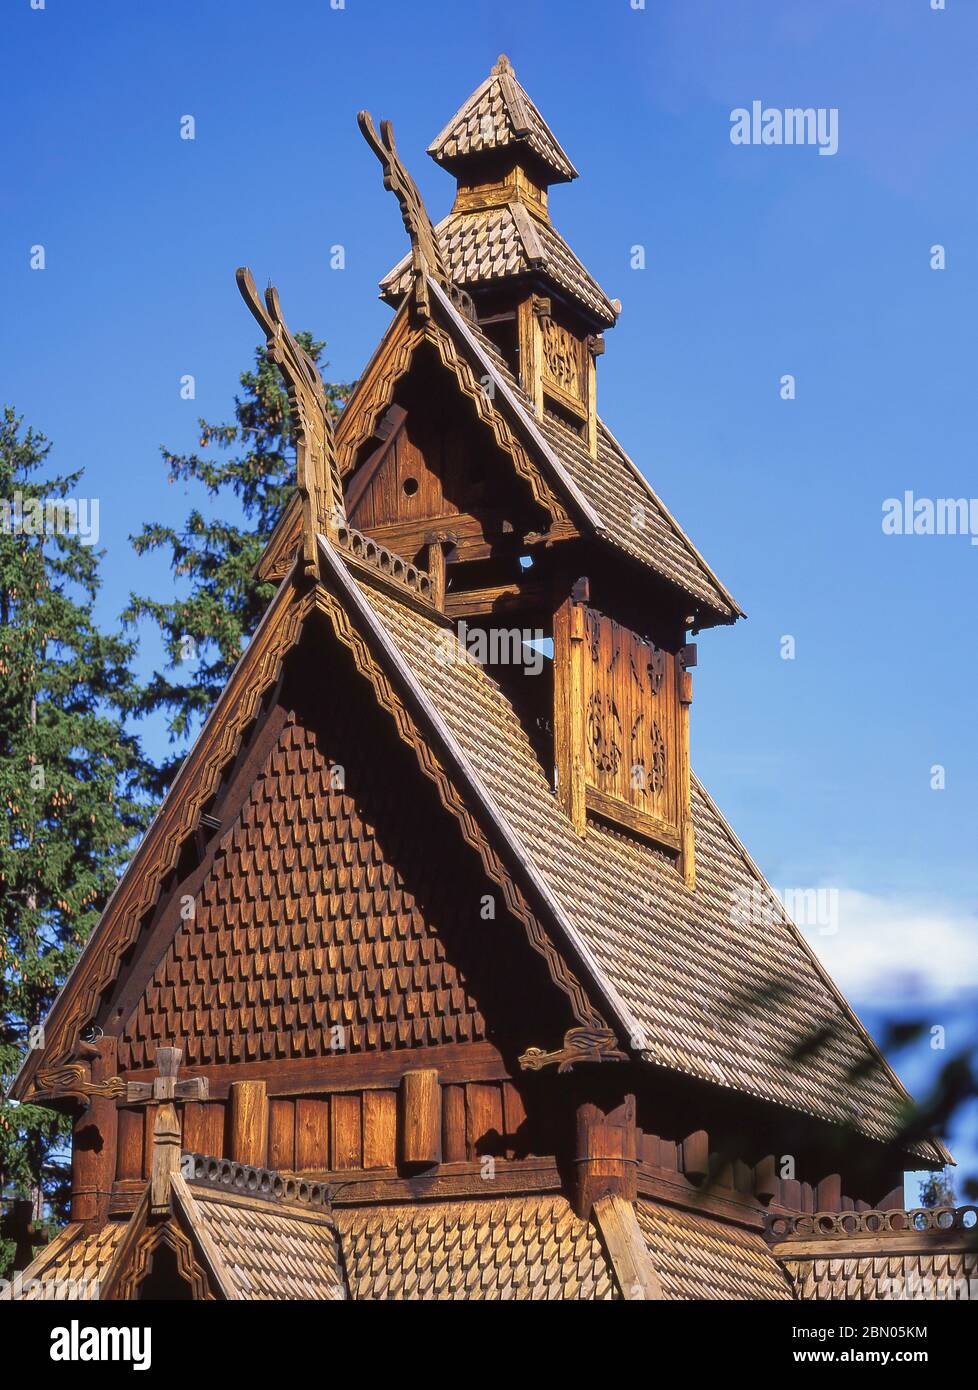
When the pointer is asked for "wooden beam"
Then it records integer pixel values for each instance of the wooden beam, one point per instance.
(420, 1110)
(166, 1157)
(379, 1129)
(94, 1144)
(353, 1071)
(453, 1124)
(606, 1157)
(436, 571)
(629, 1255)
(249, 1123)
(686, 831)
(569, 730)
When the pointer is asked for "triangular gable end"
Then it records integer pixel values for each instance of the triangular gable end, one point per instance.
(247, 751)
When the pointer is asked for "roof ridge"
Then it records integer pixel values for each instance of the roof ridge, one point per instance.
(668, 517)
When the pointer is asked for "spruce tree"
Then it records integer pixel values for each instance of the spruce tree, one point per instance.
(250, 467)
(70, 779)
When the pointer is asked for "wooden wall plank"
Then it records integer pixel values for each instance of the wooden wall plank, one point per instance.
(453, 1124)
(346, 1141)
(281, 1135)
(129, 1157)
(514, 1116)
(312, 1133)
(379, 1129)
(249, 1123)
(483, 1119)
(214, 1141)
(420, 1117)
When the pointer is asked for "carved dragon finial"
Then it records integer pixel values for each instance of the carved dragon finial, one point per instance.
(585, 1044)
(318, 478)
(426, 254)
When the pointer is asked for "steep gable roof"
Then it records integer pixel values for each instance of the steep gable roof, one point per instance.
(735, 999)
(52, 1069)
(622, 508)
(608, 497)
(694, 987)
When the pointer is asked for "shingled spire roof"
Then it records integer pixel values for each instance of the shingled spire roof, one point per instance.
(499, 114)
(498, 235)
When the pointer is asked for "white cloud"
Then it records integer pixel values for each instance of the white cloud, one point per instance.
(893, 949)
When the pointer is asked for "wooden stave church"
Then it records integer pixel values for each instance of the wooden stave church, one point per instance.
(414, 989)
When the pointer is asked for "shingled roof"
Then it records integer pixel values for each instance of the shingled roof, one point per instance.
(524, 1247)
(72, 1267)
(626, 512)
(497, 115)
(488, 245)
(735, 998)
(697, 1256)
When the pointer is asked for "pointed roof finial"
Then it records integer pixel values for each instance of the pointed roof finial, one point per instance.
(499, 114)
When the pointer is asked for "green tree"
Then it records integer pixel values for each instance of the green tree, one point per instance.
(72, 780)
(937, 1190)
(251, 469)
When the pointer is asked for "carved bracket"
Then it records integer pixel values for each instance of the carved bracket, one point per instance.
(580, 1045)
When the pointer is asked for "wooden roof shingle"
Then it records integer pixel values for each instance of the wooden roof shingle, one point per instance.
(697, 1256)
(497, 115)
(485, 246)
(527, 1247)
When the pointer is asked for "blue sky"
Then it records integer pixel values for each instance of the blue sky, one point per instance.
(760, 261)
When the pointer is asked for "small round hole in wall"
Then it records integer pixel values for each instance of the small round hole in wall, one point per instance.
(410, 486)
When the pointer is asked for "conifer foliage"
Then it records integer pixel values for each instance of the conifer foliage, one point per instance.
(250, 469)
(72, 779)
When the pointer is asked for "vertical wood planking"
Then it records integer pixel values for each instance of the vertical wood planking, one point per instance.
(214, 1145)
(192, 1135)
(248, 1122)
(453, 1124)
(484, 1118)
(420, 1117)
(312, 1134)
(149, 1120)
(569, 710)
(129, 1160)
(379, 1129)
(346, 1145)
(514, 1116)
(281, 1135)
